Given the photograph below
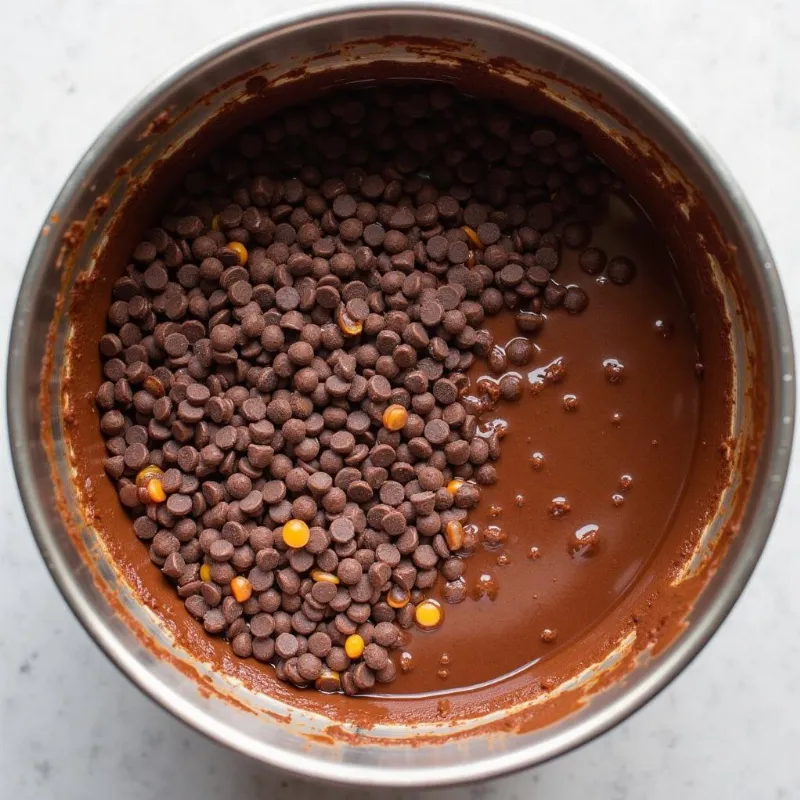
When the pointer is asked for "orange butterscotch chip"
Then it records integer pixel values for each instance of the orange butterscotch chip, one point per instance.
(354, 646)
(395, 417)
(454, 534)
(149, 479)
(154, 386)
(347, 325)
(148, 473)
(240, 251)
(323, 577)
(398, 597)
(241, 589)
(473, 237)
(205, 573)
(428, 615)
(296, 533)
(155, 491)
(455, 485)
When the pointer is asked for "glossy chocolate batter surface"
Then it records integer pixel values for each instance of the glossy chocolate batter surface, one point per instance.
(618, 458)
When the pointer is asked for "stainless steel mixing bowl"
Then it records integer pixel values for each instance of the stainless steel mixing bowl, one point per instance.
(294, 49)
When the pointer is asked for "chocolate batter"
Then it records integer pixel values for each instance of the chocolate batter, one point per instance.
(619, 458)
(591, 499)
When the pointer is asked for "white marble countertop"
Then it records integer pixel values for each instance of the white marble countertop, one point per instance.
(72, 727)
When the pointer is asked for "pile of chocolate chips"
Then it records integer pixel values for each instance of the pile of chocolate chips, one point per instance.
(333, 262)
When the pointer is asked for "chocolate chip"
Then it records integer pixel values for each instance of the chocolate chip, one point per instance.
(592, 260)
(621, 270)
(286, 645)
(575, 300)
(554, 295)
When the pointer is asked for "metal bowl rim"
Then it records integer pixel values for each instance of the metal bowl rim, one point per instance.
(641, 689)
